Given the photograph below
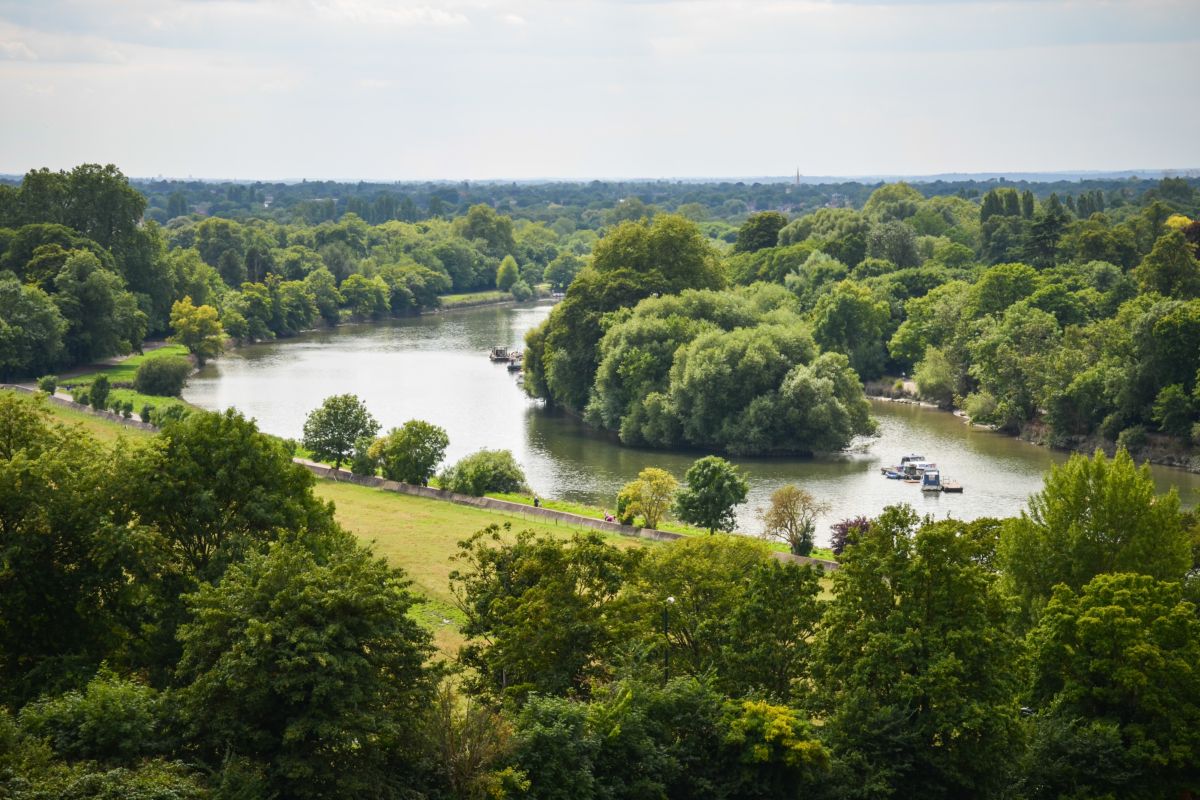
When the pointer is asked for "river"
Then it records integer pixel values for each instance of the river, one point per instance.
(435, 368)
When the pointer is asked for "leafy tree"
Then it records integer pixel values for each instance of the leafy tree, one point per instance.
(935, 378)
(331, 430)
(309, 663)
(915, 665)
(365, 297)
(323, 288)
(792, 518)
(1173, 411)
(521, 291)
(714, 487)
(164, 377)
(507, 274)
(483, 472)
(850, 320)
(538, 611)
(1170, 269)
(895, 242)
(411, 452)
(31, 328)
(98, 393)
(759, 231)
(650, 495)
(893, 201)
(563, 269)
(846, 532)
(495, 231)
(1117, 687)
(102, 317)
(1094, 516)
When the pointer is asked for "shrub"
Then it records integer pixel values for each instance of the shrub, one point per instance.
(521, 291)
(80, 394)
(169, 414)
(1132, 438)
(99, 393)
(980, 406)
(162, 377)
(847, 532)
(146, 412)
(362, 462)
(48, 383)
(127, 409)
(483, 472)
(412, 452)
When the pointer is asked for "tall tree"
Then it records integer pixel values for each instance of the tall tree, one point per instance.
(198, 329)
(332, 430)
(713, 488)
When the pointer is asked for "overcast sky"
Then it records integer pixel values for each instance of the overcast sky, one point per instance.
(405, 89)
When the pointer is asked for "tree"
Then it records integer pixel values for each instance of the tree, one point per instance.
(1173, 411)
(1094, 516)
(31, 328)
(331, 430)
(507, 274)
(934, 376)
(1116, 685)
(650, 495)
(759, 231)
(540, 611)
(850, 320)
(323, 288)
(895, 242)
(198, 329)
(102, 316)
(98, 392)
(164, 377)
(495, 232)
(308, 662)
(792, 518)
(562, 270)
(1170, 268)
(412, 452)
(714, 488)
(484, 471)
(916, 667)
(365, 297)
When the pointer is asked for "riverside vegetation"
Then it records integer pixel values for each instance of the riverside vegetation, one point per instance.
(187, 618)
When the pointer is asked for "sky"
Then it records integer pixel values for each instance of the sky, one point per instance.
(578, 89)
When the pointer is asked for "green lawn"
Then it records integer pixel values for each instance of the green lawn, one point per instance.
(471, 298)
(102, 428)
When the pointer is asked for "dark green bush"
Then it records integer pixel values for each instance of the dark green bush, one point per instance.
(483, 472)
(99, 393)
(162, 377)
(146, 412)
(48, 383)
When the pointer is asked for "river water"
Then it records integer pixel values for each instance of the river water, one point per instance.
(435, 368)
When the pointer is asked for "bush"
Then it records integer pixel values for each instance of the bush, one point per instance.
(80, 395)
(521, 291)
(1196, 434)
(412, 452)
(168, 415)
(146, 412)
(127, 409)
(362, 462)
(483, 472)
(99, 393)
(1132, 438)
(48, 383)
(980, 406)
(162, 377)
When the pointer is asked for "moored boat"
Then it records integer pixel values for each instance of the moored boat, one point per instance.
(952, 487)
(931, 481)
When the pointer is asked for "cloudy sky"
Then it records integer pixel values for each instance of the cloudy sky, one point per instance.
(408, 89)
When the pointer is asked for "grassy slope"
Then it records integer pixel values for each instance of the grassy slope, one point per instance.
(124, 372)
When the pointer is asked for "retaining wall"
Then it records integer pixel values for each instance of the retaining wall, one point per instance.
(66, 402)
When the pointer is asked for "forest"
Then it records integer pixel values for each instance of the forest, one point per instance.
(720, 316)
(184, 618)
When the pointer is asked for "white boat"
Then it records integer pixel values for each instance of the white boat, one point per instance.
(931, 481)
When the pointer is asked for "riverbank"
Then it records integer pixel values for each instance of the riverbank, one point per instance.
(1163, 451)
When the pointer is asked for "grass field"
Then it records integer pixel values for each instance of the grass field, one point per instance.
(474, 298)
(103, 429)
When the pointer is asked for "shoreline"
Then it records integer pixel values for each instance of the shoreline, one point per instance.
(1030, 433)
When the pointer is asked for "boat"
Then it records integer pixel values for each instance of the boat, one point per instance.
(514, 364)
(910, 465)
(893, 474)
(931, 481)
(501, 353)
(952, 487)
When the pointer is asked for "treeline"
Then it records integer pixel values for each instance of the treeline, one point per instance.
(84, 276)
(1077, 316)
(186, 620)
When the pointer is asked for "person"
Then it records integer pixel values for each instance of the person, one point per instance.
(608, 517)
(536, 502)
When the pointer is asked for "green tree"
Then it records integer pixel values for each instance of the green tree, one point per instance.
(484, 471)
(759, 231)
(540, 611)
(310, 664)
(365, 297)
(495, 232)
(915, 664)
(1173, 411)
(792, 518)
(563, 269)
(31, 328)
(1094, 516)
(331, 430)
(1171, 268)
(850, 320)
(1116, 686)
(98, 392)
(325, 294)
(714, 487)
(935, 379)
(650, 495)
(412, 452)
(507, 274)
(198, 329)
(103, 318)
(894, 242)
(164, 377)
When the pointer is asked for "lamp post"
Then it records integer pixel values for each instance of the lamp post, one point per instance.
(667, 639)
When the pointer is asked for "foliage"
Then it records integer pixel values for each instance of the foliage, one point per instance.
(1115, 680)
(759, 231)
(649, 496)
(521, 291)
(1094, 516)
(331, 430)
(98, 393)
(198, 329)
(309, 662)
(162, 377)
(47, 383)
(537, 611)
(846, 532)
(507, 274)
(713, 488)
(934, 376)
(483, 472)
(916, 664)
(792, 518)
(412, 452)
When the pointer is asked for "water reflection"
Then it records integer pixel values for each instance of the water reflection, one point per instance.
(435, 368)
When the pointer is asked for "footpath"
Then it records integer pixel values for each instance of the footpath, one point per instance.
(490, 503)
